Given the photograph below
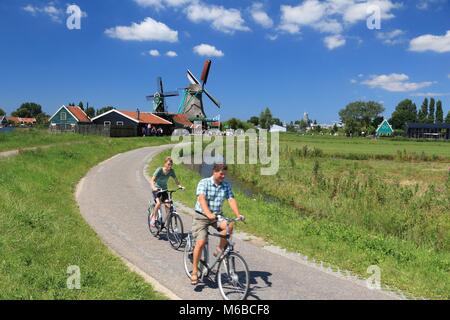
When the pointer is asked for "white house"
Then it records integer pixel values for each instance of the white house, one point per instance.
(277, 128)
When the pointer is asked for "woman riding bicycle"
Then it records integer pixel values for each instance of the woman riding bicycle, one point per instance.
(159, 182)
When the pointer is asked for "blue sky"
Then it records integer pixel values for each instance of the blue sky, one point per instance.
(292, 56)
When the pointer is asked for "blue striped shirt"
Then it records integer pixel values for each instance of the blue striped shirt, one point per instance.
(215, 194)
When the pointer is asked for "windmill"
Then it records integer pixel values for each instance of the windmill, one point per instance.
(159, 102)
(192, 104)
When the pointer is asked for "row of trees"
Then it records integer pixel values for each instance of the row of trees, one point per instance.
(264, 121)
(363, 117)
(406, 111)
(90, 111)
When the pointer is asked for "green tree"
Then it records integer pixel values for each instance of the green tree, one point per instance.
(277, 122)
(335, 129)
(235, 124)
(377, 121)
(103, 110)
(2, 112)
(81, 105)
(431, 111)
(90, 112)
(28, 110)
(358, 116)
(266, 119)
(423, 113)
(447, 119)
(302, 124)
(439, 112)
(254, 121)
(406, 111)
(42, 119)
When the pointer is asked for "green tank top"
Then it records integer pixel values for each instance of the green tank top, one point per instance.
(162, 179)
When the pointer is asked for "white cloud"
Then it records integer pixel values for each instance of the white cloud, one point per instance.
(430, 94)
(392, 37)
(272, 37)
(154, 53)
(331, 16)
(395, 83)
(333, 42)
(309, 13)
(208, 51)
(260, 16)
(147, 30)
(31, 9)
(50, 10)
(222, 19)
(431, 42)
(449, 75)
(159, 4)
(171, 54)
(426, 4)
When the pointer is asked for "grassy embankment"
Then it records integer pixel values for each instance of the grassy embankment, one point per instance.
(42, 232)
(354, 213)
(24, 138)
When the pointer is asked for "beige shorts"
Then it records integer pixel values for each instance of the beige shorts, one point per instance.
(200, 227)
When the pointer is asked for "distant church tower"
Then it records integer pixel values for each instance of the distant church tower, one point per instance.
(306, 118)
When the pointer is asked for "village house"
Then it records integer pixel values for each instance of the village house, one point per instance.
(139, 121)
(68, 117)
(22, 122)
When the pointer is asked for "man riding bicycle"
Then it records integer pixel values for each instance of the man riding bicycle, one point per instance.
(211, 192)
(159, 182)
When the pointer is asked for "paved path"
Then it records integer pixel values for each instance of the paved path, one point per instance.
(113, 198)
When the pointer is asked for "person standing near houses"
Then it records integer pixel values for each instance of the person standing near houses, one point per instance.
(159, 183)
(211, 193)
(149, 129)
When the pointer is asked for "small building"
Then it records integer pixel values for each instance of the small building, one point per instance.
(384, 129)
(277, 128)
(66, 118)
(428, 130)
(21, 122)
(180, 121)
(3, 122)
(137, 120)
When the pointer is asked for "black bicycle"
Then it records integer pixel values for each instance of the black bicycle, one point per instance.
(232, 272)
(172, 224)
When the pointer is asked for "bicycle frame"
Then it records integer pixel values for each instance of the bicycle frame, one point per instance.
(229, 247)
(169, 205)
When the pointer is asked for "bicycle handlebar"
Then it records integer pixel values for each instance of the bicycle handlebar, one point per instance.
(170, 191)
(229, 220)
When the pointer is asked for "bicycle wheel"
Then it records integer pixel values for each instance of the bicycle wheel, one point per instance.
(154, 230)
(233, 277)
(175, 231)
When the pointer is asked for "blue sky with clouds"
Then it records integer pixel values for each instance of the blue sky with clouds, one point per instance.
(292, 56)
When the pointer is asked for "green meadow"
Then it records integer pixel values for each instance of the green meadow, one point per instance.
(26, 138)
(42, 232)
(353, 203)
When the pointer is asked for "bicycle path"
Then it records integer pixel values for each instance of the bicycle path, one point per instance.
(113, 199)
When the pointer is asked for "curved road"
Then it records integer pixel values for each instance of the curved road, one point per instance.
(113, 198)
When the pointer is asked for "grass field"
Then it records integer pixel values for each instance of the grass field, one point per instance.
(353, 213)
(42, 232)
(24, 138)
(365, 146)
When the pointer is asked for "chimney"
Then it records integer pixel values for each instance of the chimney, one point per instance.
(138, 114)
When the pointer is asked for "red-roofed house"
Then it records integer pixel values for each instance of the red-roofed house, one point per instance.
(139, 120)
(69, 117)
(22, 121)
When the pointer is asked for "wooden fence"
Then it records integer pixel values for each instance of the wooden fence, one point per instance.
(97, 129)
